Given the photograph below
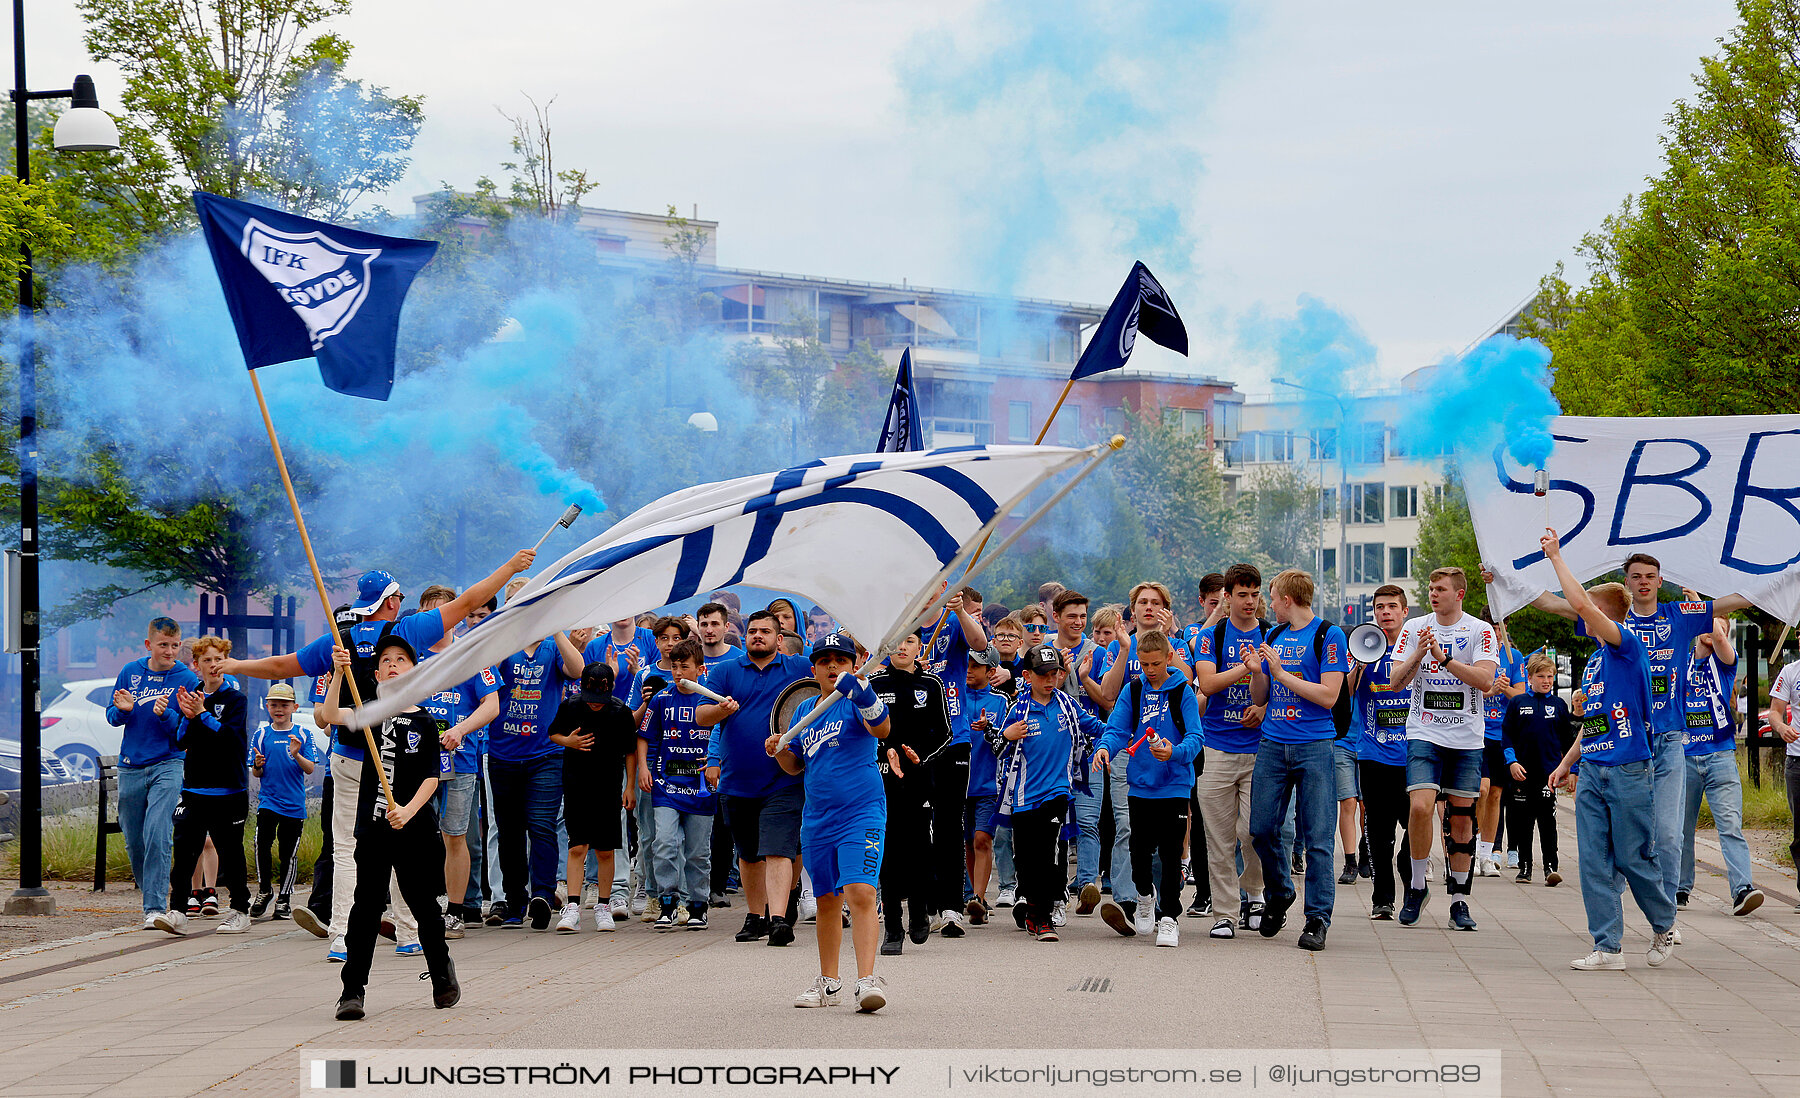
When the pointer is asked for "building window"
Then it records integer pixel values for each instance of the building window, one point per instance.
(1062, 346)
(1399, 562)
(1328, 504)
(1193, 421)
(1018, 421)
(84, 644)
(1271, 446)
(1403, 501)
(1068, 425)
(1327, 561)
(1325, 443)
(1230, 414)
(1114, 418)
(1366, 562)
(1369, 443)
(1365, 502)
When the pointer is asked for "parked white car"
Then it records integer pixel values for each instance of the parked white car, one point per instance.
(76, 731)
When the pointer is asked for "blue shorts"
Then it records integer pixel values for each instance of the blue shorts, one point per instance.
(979, 815)
(1454, 771)
(844, 853)
(1344, 764)
(765, 827)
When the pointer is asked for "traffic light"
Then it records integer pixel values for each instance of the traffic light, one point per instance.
(1350, 614)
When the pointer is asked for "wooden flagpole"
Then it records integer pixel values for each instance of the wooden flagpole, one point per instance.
(318, 580)
(1070, 384)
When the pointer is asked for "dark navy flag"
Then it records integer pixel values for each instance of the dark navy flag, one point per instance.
(1142, 306)
(299, 288)
(901, 430)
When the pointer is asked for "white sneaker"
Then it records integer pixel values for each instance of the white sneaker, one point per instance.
(1661, 947)
(603, 919)
(1007, 898)
(953, 924)
(590, 895)
(621, 908)
(639, 901)
(570, 921)
(871, 994)
(1167, 933)
(175, 922)
(1430, 870)
(1059, 913)
(809, 905)
(338, 953)
(235, 923)
(150, 920)
(1676, 934)
(936, 922)
(1145, 920)
(1600, 962)
(822, 993)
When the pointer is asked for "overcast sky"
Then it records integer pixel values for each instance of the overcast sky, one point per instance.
(1417, 165)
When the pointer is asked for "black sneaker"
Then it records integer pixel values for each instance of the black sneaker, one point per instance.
(260, 906)
(1414, 905)
(539, 910)
(193, 904)
(1274, 914)
(755, 927)
(350, 1008)
(1748, 899)
(1201, 908)
(781, 932)
(496, 915)
(1021, 916)
(697, 916)
(1348, 876)
(284, 908)
(918, 928)
(1524, 876)
(445, 991)
(209, 902)
(1313, 937)
(1460, 919)
(1681, 901)
(1382, 913)
(892, 944)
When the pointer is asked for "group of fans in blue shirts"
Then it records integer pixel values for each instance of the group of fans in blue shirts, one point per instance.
(1099, 766)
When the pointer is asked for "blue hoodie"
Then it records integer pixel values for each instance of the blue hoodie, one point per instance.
(148, 738)
(1149, 776)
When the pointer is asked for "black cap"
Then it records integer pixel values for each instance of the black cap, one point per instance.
(1043, 659)
(395, 640)
(597, 682)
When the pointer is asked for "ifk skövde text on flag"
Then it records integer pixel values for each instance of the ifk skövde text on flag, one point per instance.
(901, 431)
(1142, 306)
(299, 288)
(863, 536)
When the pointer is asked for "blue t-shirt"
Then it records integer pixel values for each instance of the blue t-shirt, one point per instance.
(1615, 727)
(736, 744)
(1512, 664)
(949, 659)
(1134, 669)
(450, 708)
(149, 738)
(603, 649)
(283, 789)
(1381, 711)
(1291, 718)
(676, 754)
(1711, 725)
(731, 652)
(984, 774)
(420, 630)
(843, 787)
(531, 689)
(1224, 732)
(1668, 638)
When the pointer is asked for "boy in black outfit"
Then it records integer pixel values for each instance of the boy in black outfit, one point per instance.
(215, 788)
(920, 717)
(599, 741)
(402, 840)
(1534, 734)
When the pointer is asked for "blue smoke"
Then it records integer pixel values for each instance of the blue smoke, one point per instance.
(1498, 393)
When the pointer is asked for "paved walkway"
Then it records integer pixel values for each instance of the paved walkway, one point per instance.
(142, 1013)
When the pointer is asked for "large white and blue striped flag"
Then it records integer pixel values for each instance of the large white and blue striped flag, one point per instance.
(867, 537)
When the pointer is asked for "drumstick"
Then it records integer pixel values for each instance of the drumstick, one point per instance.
(689, 686)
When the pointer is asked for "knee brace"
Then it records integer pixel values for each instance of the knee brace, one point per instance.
(1451, 847)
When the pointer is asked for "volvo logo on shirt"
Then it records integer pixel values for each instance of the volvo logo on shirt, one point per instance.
(325, 282)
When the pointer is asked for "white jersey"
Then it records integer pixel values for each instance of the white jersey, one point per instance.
(1787, 688)
(1446, 710)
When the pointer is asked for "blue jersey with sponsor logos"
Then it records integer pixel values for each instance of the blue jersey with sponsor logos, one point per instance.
(149, 737)
(1290, 718)
(1222, 721)
(1381, 710)
(531, 689)
(1134, 669)
(1511, 664)
(949, 660)
(603, 649)
(676, 754)
(451, 707)
(1711, 723)
(1668, 638)
(843, 786)
(1614, 723)
(283, 788)
(984, 774)
(1052, 758)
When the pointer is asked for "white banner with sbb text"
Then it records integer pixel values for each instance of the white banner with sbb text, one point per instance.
(1716, 500)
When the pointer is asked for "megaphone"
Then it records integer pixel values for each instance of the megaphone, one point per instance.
(1368, 643)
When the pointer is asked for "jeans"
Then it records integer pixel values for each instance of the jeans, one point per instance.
(683, 848)
(1669, 777)
(1615, 835)
(1715, 776)
(527, 797)
(1086, 810)
(645, 818)
(1307, 773)
(1005, 875)
(147, 799)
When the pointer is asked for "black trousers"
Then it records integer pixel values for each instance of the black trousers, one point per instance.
(1041, 880)
(414, 855)
(723, 855)
(319, 900)
(1793, 800)
(1157, 826)
(1386, 806)
(198, 815)
(1529, 803)
(949, 791)
(906, 853)
(284, 833)
(1197, 859)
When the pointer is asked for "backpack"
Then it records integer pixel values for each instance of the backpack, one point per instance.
(1137, 702)
(1342, 709)
(1219, 640)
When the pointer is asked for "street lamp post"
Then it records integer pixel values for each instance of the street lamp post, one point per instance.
(83, 127)
(1343, 507)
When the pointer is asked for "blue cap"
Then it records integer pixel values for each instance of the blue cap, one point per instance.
(371, 590)
(838, 643)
